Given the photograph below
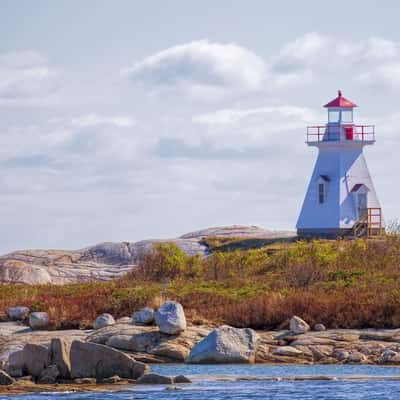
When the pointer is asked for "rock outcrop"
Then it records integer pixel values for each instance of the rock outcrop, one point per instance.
(148, 344)
(91, 360)
(225, 345)
(241, 231)
(170, 318)
(107, 260)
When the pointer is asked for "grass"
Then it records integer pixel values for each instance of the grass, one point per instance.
(346, 284)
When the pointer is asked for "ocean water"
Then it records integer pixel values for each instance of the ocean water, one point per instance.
(223, 382)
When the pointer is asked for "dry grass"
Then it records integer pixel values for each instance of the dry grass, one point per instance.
(343, 284)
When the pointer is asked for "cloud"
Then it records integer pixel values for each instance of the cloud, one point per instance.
(233, 116)
(302, 53)
(373, 62)
(386, 76)
(212, 71)
(85, 140)
(26, 76)
(89, 120)
(233, 134)
(201, 68)
(372, 50)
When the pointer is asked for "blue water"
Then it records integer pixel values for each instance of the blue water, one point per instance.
(224, 382)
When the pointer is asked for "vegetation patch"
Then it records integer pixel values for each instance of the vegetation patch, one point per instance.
(342, 284)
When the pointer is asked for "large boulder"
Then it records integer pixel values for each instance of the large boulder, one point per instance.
(145, 316)
(170, 318)
(103, 320)
(225, 345)
(15, 364)
(59, 356)
(18, 313)
(39, 320)
(298, 326)
(91, 360)
(35, 359)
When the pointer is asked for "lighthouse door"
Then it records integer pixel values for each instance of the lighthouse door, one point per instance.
(362, 205)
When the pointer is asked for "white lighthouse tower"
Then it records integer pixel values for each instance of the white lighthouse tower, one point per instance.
(340, 199)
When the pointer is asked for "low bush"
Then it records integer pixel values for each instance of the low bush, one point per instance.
(346, 284)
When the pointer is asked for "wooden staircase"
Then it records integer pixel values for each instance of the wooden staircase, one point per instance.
(369, 223)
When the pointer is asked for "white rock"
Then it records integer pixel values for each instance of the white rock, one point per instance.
(170, 318)
(39, 320)
(389, 356)
(287, 351)
(145, 316)
(225, 345)
(298, 326)
(319, 327)
(341, 355)
(18, 313)
(356, 357)
(103, 320)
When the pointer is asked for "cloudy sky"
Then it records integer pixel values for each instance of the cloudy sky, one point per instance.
(124, 120)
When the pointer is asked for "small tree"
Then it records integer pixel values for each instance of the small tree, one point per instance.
(166, 262)
(393, 227)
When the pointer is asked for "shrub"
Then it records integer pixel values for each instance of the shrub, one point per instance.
(346, 284)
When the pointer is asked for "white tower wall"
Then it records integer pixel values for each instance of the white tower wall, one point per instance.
(343, 166)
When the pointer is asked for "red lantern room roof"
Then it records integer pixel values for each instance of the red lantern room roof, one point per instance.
(340, 101)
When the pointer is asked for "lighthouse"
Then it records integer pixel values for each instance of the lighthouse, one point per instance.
(340, 200)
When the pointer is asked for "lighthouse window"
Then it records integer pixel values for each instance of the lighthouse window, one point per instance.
(347, 116)
(321, 193)
(333, 116)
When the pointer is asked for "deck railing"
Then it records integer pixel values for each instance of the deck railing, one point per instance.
(370, 222)
(340, 133)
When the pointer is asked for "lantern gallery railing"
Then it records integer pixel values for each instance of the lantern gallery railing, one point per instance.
(341, 133)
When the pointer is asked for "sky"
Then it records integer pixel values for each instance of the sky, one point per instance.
(126, 120)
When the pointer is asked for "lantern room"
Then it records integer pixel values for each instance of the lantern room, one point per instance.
(340, 126)
(340, 110)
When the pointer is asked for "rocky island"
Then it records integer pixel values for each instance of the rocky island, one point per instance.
(122, 352)
(216, 296)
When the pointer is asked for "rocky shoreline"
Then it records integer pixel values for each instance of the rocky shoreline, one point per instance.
(121, 352)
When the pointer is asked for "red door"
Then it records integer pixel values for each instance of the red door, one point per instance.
(349, 132)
